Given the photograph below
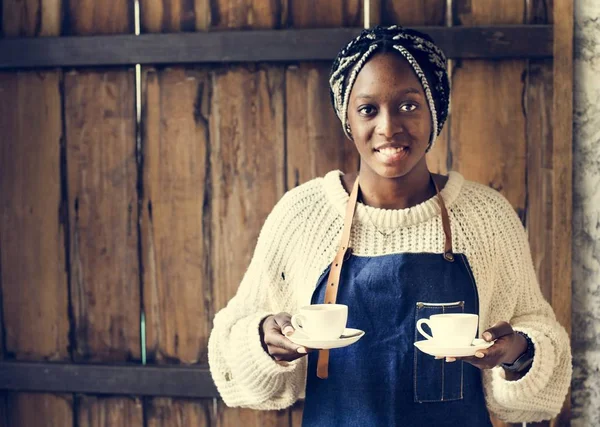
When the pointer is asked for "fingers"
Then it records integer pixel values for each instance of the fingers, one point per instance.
(499, 330)
(284, 322)
(277, 344)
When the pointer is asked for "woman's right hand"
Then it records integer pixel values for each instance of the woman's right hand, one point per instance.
(274, 331)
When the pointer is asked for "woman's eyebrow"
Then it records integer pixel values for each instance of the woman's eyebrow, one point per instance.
(402, 92)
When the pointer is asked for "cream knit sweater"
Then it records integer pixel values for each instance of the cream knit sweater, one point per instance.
(300, 238)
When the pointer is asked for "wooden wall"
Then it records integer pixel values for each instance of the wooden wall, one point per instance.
(99, 225)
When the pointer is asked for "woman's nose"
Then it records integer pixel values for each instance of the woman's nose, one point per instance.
(387, 126)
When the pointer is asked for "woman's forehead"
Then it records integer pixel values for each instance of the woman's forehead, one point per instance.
(386, 70)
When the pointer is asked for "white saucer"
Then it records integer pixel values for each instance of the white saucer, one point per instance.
(304, 340)
(430, 347)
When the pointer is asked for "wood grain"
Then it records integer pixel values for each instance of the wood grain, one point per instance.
(247, 14)
(33, 277)
(109, 412)
(488, 141)
(247, 178)
(325, 13)
(31, 18)
(91, 17)
(174, 229)
(562, 193)
(174, 15)
(100, 132)
(179, 413)
(316, 143)
(28, 409)
(413, 12)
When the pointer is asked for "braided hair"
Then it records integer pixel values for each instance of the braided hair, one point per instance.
(425, 58)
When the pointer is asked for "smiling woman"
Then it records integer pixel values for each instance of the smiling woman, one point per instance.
(421, 245)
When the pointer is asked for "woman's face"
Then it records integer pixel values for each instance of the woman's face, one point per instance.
(389, 117)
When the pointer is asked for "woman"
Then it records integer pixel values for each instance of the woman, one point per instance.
(421, 244)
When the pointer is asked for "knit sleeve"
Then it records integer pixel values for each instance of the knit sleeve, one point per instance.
(245, 375)
(539, 395)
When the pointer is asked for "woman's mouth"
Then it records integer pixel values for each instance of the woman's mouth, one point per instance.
(391, 154)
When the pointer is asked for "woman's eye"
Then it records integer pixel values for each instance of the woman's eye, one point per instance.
(366, 110)
(408, 107)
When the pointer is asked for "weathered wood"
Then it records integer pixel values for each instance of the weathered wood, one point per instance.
(179, 413)
(256, 46)
(488, 138)
(325, 13)
(31, 409)
(31, 18)
(245, 417)
(174, 15)
(539, 171)
(33, 277)
(114, 379)
(109, 412)
(175, 221)
(562, 149)
(247, 176)
(316, 143)
(413, 12)
(90, 17)
(100, 133)
(247, 14)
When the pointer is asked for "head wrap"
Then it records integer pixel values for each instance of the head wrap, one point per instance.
(425, 58)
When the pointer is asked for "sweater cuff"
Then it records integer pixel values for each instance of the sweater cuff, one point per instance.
(517, 395)
(251, 365)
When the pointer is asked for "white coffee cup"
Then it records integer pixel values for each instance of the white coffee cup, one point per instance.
(451, 329)
(321, 321)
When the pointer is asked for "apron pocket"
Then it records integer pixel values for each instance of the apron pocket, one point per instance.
(436, 380)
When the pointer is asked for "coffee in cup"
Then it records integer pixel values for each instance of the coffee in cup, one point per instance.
(451, 329)
(321, 321)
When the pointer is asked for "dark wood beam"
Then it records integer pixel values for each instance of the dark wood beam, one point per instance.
(134, 380)
(518, 41)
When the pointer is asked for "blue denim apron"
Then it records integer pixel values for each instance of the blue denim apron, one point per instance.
(383, 380)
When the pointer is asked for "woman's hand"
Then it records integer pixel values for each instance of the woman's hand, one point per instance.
(273, 335)
(507, 348)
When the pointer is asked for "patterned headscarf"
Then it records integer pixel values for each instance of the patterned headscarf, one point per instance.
(425, 58)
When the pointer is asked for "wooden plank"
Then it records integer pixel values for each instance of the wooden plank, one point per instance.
(246, 179)
(27, 409)
(33, 278)
(174, 15)
(414, 13)
(100, 132)
(316, 143)
(179, 413)
(246, 417)
(91, 17)
(31, 18)
(247, 14)
(563, 173)
(109, 412)
(121, 379)
(256, 46)
(325, 13)
(103, 212)
(174, 231)
(176, 227)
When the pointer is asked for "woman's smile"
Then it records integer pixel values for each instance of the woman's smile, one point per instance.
(391, 154)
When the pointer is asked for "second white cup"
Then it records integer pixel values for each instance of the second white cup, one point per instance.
(321, 321)
(450, 330)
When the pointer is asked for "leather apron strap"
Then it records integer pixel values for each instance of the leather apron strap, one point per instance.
(344, 251)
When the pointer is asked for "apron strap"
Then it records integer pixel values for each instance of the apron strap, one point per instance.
(333, 279)
(344, 250)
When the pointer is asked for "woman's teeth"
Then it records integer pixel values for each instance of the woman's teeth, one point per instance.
(390, 151)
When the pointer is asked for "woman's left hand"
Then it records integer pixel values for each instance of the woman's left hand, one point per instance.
(508, 347)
